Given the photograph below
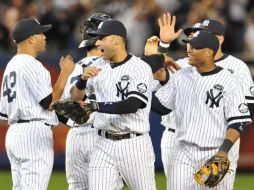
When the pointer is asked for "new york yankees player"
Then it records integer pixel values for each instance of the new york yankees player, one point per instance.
(210, 112)
(234, 65)
(123, 91)
(81, 139)
(26, 97)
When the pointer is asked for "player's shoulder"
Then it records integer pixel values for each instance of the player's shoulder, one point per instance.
(183, 62)
(90, 61)
(137, 62)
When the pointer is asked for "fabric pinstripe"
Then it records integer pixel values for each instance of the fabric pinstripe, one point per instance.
(29, 145)
(29, 148)
(199, 117)
(133, 158)
(80, 140)
(241, 71)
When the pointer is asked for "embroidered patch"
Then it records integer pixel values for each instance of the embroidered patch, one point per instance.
(243, 108)
(142, 87)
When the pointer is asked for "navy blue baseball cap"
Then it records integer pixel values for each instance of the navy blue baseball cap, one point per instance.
(213, 26)
(110, 27)
(28, 27)
(203, 39)
(209, 25)
(194, 28)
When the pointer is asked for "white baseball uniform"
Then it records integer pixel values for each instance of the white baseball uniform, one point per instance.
(241, 71)
(168, 140)
(29, 140)
(81, 139)
(205, 104)
(133, 157)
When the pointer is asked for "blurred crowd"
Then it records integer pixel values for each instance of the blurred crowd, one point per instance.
(139, 17)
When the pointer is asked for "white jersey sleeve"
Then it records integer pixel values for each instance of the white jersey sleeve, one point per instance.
(167, 93)
(242, 72)
(236, 109)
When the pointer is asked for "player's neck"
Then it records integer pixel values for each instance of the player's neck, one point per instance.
(119, 57)
(28, 51)
(206, 68)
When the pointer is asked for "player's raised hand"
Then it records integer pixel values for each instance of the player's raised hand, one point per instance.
(90, 72)
(167, 28)
(151, 46)
(66, 64)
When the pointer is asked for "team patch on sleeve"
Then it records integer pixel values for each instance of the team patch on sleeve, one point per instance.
(243, 108)
(142, 87)
(252, 90)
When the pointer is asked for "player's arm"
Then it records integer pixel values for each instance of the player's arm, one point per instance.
(238, 117)
(130, 105)
(78, 90)
(233, 133)
(67, 66)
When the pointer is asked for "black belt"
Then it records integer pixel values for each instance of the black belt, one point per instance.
(171, 130)
(27, 121)
(113, 136)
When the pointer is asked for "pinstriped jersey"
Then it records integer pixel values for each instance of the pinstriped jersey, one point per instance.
(236, 67)
(118, 82)
(75, 75)
(25, 83)
(168, 120)
(204, 105)
(242, 72)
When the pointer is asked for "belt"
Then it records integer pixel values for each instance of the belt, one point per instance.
(171, 130)
(113, 136)
(27, 121)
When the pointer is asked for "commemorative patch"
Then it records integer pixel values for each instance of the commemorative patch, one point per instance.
(252, 90)
(142, 87)
(243, 108)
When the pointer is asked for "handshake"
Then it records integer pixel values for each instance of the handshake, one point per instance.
(78, 111)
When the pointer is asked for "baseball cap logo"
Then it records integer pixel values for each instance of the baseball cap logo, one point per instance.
(196, 34)
(37, 21)
(205, 22)
(100, 25)
(197, 25)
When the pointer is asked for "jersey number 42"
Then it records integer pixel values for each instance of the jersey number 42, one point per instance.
(8, 85)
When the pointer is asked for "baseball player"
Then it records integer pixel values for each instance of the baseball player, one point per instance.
(81, 139)
(123, 91)
(26, 98)
(234, 65)
(210, 112)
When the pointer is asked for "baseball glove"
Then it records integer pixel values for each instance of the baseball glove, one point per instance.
(74, 110)
(213, 171)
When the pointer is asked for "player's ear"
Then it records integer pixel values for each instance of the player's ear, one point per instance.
(31, 39)
(210, 53)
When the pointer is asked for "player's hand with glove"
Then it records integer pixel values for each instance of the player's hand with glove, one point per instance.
(77, 111)
(214, 170)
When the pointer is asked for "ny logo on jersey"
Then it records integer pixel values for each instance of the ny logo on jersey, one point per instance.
(215, 100)
(122, 87)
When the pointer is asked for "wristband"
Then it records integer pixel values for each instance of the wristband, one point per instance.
(226, 145)
(163, 47)
(81, 84)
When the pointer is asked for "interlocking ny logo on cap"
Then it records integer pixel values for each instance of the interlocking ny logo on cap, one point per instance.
(197, 25)
(37, 21)
(100, 25)
(196, 34)
(205, 22)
